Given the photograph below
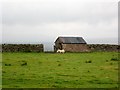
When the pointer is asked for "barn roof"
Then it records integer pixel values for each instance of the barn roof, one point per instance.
(71, 40)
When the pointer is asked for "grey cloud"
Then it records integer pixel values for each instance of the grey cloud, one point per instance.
(37, 13)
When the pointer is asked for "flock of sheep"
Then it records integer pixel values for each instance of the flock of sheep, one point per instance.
(60, 51)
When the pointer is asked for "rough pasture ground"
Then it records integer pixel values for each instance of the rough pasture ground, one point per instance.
(0, 70)
(69, 70)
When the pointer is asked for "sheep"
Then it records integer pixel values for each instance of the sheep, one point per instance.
(60, 51)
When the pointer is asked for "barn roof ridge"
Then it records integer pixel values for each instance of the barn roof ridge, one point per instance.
(71, 40)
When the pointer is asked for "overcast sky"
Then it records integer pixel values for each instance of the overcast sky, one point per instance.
(42, 21)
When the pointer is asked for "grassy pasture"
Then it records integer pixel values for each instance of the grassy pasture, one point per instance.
(52, 70)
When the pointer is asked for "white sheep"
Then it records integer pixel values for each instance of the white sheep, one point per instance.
(60, 51)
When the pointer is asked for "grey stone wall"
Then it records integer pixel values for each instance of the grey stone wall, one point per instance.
(104, 47)
(22, 48)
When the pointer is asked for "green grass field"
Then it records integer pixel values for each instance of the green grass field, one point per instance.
(52, 70)
(1, 71)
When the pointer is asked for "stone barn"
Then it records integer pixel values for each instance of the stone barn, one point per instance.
(71, 44)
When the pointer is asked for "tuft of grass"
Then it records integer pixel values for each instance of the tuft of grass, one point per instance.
(59, 64)
(88, 61)
(88, 71)
(23, 63)
(111, 63)
(107, 60)
(7, 64)
(114, 59)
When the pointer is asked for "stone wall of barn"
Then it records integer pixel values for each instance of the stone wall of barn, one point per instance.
(22, 48)
(75, 47)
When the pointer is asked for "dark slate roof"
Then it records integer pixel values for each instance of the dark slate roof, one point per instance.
(72, 40)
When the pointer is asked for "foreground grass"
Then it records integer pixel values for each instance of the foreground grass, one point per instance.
(69, 70)
(0, 70)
